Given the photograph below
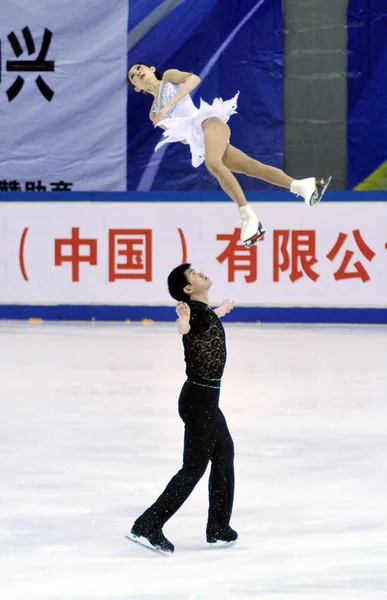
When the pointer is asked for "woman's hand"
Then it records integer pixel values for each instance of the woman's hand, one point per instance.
(160, 115)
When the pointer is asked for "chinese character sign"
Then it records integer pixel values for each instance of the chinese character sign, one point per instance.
(238, 257)
(62, 102)
(39, 64)
(294, 251)
(122, 253)
(130, 254)
(74, 256)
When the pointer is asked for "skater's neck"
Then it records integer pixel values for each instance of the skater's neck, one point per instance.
(154, 88)
(200, 297)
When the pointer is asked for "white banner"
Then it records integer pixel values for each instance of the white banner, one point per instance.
(63, 95)
(121, 253)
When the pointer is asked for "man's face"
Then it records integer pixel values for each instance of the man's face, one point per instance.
(197, 282)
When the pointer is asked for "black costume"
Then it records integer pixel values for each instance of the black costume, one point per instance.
(207, 437)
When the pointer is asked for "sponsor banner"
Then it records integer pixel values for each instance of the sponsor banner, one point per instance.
(63, 95)
(121, 253)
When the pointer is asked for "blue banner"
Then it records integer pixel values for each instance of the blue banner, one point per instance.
(233, 46)
(367, 95)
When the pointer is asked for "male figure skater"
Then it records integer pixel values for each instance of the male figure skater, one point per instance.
(207, 438)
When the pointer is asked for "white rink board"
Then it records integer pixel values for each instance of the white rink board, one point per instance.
(333, 255)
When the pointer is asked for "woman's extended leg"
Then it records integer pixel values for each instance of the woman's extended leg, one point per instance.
(238, 162)
(216, 136)
(311, 189)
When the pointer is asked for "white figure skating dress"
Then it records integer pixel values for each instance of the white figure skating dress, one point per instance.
(184, 121)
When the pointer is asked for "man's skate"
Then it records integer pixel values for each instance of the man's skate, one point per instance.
(311, 189)
(151, 538)
(251, 228)
(222, 539)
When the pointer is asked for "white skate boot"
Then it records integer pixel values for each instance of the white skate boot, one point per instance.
(251, 228)
(311, 189)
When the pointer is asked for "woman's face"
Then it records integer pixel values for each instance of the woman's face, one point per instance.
(141, 76)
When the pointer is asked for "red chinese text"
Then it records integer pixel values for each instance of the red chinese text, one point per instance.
(359, 271)
(239, 257)
(130, 254)
(300, 258)
(75, 256)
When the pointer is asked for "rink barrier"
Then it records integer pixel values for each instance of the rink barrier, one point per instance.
(148, 314)
(152, 314)
(194, 196)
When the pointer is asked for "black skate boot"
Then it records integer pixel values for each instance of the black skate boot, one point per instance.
(150, 537)
(222, 538)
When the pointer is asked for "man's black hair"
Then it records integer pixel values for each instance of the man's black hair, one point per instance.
(177, 281)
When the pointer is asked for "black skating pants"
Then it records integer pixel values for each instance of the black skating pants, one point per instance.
(206, 439)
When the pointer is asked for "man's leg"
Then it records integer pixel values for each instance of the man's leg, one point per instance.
(221, 485)
(198, 410)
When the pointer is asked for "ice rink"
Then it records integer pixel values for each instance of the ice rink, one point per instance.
(90, 435)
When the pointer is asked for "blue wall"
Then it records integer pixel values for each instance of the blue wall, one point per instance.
(367, 93)
(188, 38)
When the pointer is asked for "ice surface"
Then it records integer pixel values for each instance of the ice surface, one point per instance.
(90, 436)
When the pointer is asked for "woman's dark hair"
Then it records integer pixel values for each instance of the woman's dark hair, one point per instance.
(177, 281)
(158, 75)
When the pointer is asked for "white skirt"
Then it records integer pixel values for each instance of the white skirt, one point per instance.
(190, 128)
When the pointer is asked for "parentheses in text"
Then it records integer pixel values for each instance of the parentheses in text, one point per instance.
(21, 254)
(183, 245)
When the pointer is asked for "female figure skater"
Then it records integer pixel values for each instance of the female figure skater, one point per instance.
(206, 131)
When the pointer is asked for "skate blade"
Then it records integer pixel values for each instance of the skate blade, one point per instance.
(219, 545)
(322, 185)
(255, 238)
(145, 544)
